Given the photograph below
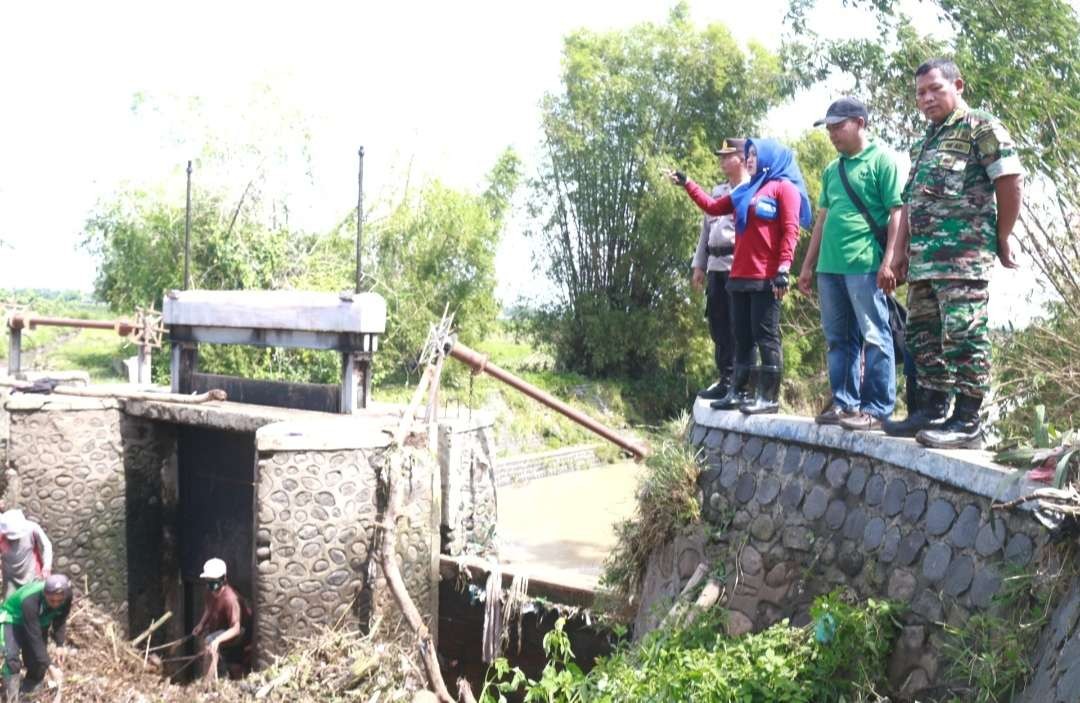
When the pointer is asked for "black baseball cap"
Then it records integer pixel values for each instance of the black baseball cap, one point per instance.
(843, 109)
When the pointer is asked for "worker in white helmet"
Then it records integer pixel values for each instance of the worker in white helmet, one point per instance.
(225, 626)
(26, 554)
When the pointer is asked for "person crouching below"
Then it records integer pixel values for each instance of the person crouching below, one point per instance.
(225, 625)
(27, 617)
(768, 213)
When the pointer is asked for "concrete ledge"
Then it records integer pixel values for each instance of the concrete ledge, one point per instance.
(569, 591)
(32, 402)
(330, 434)
(968, 470)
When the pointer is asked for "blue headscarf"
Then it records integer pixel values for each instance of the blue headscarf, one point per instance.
(774, 161)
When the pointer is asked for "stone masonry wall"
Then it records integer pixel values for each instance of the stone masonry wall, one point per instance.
(794, 521)
(528, 467)
(67, 456)
(468, 478)
(316, 526)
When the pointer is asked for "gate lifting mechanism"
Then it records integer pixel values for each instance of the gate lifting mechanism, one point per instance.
(145, 332)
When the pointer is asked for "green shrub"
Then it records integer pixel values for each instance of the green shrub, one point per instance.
(701, 663)
(667, 502)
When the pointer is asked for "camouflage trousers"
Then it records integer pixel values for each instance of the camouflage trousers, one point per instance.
(947, 335)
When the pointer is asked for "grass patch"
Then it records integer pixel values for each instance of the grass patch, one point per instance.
(990, 656)
(95, 351)
(666, 504)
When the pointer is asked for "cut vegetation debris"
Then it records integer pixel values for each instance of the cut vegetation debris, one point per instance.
(331, 665)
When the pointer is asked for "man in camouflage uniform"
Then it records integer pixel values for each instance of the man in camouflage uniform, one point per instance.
(962, 199)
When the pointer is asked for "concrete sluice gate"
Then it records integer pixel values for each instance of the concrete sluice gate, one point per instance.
(136, 493)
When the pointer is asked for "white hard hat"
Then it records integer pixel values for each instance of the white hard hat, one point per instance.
(213, 569)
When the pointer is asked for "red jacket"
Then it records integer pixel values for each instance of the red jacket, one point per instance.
(765, 244)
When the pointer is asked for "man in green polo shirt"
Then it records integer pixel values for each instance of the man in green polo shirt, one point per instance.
(854, 274)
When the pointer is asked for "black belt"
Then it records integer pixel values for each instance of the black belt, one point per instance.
(725, 250)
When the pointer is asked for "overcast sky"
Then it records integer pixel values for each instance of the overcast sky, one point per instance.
(430, 89)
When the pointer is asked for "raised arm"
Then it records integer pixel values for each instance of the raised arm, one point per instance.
(709, 204)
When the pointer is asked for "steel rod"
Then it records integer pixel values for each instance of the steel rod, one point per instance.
(187, 231)
(121, 327)
(360, 222)
(480, 364)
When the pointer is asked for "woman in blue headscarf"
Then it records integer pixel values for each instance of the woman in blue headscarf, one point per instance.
(768, 211)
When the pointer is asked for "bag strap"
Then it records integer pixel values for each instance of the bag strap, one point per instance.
(880, 233)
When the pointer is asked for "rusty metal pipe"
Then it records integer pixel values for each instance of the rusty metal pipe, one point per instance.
(479, 364)
(121, 327)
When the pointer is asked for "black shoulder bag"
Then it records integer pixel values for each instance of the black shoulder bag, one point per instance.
(897, 312)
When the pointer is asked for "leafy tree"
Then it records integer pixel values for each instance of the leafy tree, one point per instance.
(617, 237)
(435, 251)
(138, 240)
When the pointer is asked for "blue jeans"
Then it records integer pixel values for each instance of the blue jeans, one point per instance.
(855, 318)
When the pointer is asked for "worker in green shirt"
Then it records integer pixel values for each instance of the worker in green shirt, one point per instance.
(27, 617)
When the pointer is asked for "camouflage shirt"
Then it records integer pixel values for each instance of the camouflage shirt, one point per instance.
(950, 191)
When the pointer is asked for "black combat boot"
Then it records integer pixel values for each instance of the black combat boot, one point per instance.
(12, 684)
(911, 395)
(768, 395)
(961, 431)
(933, 408)
(738, 393)
(717, 390)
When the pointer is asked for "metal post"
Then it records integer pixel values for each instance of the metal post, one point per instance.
(143, 365)
(14, 351)
(360, 222)
(187, 231)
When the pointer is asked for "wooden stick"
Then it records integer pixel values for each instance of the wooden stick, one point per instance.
(170, 645)
(707, 599)
(150, 630)
(397, 586)
(179, 398)
(679, 606)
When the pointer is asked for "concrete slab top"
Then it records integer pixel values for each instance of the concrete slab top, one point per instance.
(32, 402)
(969, 470)
(244, 417)
(312, 311)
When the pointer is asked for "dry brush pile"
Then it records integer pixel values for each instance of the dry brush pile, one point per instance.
(332, 665)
